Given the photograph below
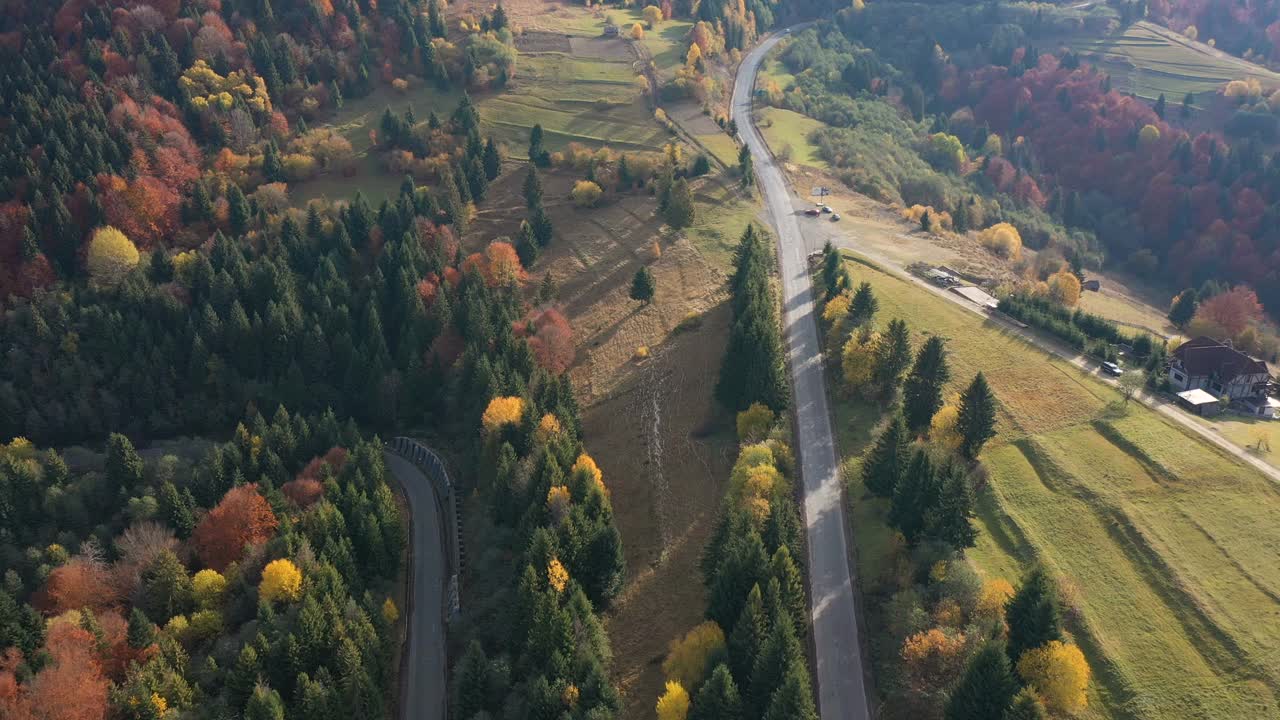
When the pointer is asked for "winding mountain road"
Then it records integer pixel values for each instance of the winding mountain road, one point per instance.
(842, 692)
(422, 680)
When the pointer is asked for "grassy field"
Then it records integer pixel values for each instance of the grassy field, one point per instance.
(787, 133)
(1149, 60)
(586, 94)
(1166, 546)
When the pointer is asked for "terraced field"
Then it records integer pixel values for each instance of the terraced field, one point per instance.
(1165, 546)
(1149, 60)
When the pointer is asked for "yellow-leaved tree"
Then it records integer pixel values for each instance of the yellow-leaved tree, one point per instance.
(207, 587)
(111, 256)
(944, 428)
(502, 411)
(548, 427)
(585, 194)
(584, 464)
(753, 480)
(558, 503)
(694, 55)
(858, 360)
(1064, 288)
(1059, 673)
(934, 658)
(281, 580)
(991, 601)
(690, 658)
(557, 576)
(637, 31)
(1002, 239)
(754, 423)
(653, 15)
(674, 703)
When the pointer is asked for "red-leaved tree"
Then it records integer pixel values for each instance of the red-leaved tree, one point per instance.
(243, 517)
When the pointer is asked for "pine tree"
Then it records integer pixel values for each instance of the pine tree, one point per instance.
(679, 211)
(831, 266)
(526, 245)
(532, 188)
(864, 306)
(264, 704)
(781, 652)
(793, 700)
(435, 19)
(1160, 106)
(543, 231)
(123, 465)
(784, 570)
(492, 161)
(244, 677)
(642, 286)
(538, 154)
(471, 682)
(238, 207)
(986, 690)
(1188, 102)
(30, 246)
(1026, 706)
(718, 699)
(977, 421)
(888, 459)
(1184, 307)
(743, 564)
(747, 638)
(892, 356)
(142, 632)
(951, 520)
(911, 496)
(922, 392)
(1033, 615)
(746, 169)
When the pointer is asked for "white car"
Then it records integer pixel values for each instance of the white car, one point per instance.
(826, 209)
(1111, 368)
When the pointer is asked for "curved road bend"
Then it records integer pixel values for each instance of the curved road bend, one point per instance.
(423, 680)
(842, 693)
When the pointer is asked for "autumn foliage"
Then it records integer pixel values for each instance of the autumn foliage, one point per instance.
(243, 517)
(71, 687)
(1059, 673)
(79, 583)
(552, 341)
(281, 580)
(502, 411)
(691, 658)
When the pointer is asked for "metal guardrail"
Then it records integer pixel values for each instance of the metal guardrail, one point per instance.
(444, 491)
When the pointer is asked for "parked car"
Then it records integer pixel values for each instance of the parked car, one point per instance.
(811, 211)
(826, 209)
(1111, 368)
(835, 217)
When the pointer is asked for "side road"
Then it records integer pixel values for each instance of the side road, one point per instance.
(842, 693)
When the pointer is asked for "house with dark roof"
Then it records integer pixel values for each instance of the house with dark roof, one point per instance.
(1219, 369)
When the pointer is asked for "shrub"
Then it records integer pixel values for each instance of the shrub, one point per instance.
(1003, 240)
(754, 423)
(586, 194)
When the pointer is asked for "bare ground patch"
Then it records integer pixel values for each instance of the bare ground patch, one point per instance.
(663, 445)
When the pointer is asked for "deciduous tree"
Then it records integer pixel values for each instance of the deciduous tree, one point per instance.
(242, 517)
(111, 256)
(281, 580)
(1059, 674)
(691, 657)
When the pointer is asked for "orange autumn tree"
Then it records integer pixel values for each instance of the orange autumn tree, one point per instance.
(71, 686)
(502, 411)
(243, 517)
(79, 583)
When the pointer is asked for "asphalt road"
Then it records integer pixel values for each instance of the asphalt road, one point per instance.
(842, 693)
(423, 678)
